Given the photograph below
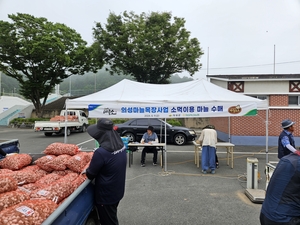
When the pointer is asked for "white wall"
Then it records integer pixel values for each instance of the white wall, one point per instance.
(7, 102)
(220, 83)
(259, 87)
(266, 87)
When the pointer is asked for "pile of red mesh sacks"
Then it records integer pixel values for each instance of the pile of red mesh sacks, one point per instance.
(63, 118)
(31, 191)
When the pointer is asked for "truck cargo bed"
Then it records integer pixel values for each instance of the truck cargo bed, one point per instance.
(75, 209)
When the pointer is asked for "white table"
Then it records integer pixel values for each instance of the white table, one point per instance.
(133, 145)
(229, 150)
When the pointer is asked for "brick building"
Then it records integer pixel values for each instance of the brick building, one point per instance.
(283, 94)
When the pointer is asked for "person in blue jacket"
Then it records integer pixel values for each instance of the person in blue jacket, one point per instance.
(108, 168)
(282, 200)
(286, 141)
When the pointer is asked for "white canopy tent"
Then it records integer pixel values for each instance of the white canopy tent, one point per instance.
(199, 98)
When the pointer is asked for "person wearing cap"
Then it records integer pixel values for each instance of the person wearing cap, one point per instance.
(286, 142)
(108, 168)
(282, 200)
(149, 137)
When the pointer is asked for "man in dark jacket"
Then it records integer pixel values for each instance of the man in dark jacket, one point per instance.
(149, 137)
(108, 168)
(282, 201)
(286, 142)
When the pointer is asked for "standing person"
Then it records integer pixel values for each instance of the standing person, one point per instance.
(208, 139)
(108, 167)
(149, 137)
(286, 142)
(282, 201)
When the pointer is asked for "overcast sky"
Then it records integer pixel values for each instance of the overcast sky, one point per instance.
(237, 36)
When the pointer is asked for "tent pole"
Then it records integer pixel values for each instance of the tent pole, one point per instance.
(165, 152)
(267, 135)
(229, 138)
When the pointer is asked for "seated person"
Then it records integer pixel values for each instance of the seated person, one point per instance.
(149, 137)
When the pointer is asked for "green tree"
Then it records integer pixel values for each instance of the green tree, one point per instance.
(40, 54)
(149, 47)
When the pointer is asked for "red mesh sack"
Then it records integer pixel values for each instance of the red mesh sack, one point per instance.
(31, 168)
(16, 161)
(34, 169)
(61, 148)
(62, 172)
(29, 187)
(78, 181)
(55, 118)
(42, 162)
(5, 171)
(68, 178)
(31, 212)
(40, 173)
(25, 177)
(12, 198)
(86, 166)
(7, 183)
(78, 162)
(59, 163)
(48, 179)
(56, 191)
(90, 154)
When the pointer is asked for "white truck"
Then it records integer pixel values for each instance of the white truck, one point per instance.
(74, 121)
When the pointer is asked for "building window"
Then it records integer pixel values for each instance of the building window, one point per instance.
(294, 100)
(261, 97)
(236, 86)
(294, 86)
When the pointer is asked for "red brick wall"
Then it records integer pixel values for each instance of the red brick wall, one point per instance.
(242, 125)
(255, 125)
(278, 100)
(221, 123)
(249, 125)
(277, 115)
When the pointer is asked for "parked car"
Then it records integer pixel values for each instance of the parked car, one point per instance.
(135, 128)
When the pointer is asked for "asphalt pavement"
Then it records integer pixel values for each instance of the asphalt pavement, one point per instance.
(179, 193)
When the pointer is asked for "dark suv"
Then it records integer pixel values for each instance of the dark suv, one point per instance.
(135, 128)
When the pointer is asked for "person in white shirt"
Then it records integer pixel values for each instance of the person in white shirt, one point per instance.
(149, 137)
(208, 139)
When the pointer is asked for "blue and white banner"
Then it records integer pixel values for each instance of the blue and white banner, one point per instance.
(171, 110)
